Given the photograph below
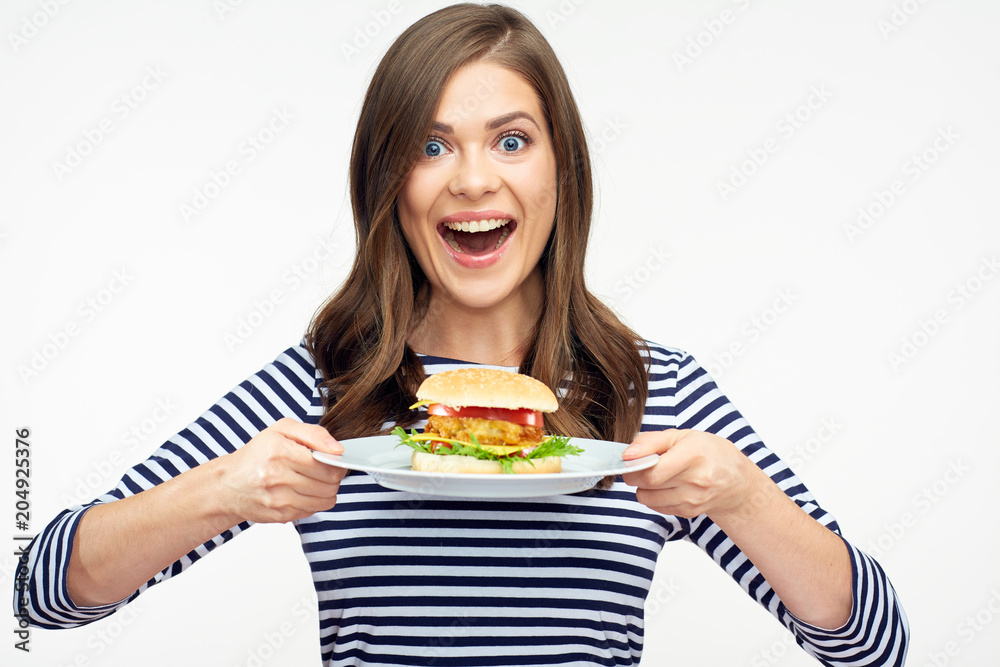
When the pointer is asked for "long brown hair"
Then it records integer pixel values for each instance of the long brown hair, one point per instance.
(358, 338)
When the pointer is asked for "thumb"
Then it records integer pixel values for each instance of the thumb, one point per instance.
(652, 442)
(312, 436)
(324, 442)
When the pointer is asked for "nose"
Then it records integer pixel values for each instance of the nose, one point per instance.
(475, 176)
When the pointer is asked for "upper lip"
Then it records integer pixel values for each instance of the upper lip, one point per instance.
(469, 216)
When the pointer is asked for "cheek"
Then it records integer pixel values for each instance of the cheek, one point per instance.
(541, 193)
(412, 209)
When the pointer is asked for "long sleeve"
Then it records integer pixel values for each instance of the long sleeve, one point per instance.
(284, 388)
(683, 395)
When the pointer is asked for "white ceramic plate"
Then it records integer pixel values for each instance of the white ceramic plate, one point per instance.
(389, 465)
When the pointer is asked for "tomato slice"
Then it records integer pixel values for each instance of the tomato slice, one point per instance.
(523, 416)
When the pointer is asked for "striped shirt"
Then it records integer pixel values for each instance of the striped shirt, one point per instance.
(404, 579)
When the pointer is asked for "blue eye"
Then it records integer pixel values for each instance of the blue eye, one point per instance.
(433, 148)
(512, 143)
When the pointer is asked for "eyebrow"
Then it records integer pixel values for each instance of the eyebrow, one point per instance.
(492, 124)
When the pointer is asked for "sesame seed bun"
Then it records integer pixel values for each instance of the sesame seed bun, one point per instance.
(487, 388)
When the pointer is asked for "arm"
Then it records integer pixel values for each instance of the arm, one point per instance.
(796, 550)
(121, 545)
(155, 522)
(805, 564)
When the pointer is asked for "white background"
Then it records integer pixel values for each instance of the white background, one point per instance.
(775, 286)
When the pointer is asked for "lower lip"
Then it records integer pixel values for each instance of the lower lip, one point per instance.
(480, 261)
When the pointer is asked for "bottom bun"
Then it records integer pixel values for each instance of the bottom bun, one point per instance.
(425, 462)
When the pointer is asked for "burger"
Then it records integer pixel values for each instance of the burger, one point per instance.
(484, 420)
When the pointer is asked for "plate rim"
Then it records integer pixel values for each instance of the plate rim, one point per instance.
(635, 465)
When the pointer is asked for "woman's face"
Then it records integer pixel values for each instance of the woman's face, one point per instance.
(479, 205)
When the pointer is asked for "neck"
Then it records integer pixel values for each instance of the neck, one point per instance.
(499, 335)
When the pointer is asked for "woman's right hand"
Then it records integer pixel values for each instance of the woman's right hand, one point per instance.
(274, 477)
(271, 479)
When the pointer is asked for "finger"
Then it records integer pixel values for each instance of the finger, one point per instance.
(300, 461)
(673, 462)
(667, 501)
(312, 436)
(296, 496)
(287, 505)
(652, 442)
(316, 490)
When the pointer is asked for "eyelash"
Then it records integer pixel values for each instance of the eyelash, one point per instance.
(516, 133)
(509, 133)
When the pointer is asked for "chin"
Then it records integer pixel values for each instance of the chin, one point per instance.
(496, 288)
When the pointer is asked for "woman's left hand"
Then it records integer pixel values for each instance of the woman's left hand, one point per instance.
(701, 473)
(698, 473)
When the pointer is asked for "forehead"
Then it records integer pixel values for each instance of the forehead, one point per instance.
(481, 91)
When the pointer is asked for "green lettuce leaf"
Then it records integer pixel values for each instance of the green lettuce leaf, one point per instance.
(556, 445)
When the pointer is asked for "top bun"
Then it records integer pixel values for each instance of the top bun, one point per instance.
(487, 388)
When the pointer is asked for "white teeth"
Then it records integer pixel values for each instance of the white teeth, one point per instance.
(476, 225)
(503, 237)
(450, 238)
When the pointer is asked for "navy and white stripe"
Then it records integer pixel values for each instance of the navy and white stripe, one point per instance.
(404, 579)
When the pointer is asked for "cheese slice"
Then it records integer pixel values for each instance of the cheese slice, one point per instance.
(501, 450)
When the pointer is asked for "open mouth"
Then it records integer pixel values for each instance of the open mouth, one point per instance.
(477, 237)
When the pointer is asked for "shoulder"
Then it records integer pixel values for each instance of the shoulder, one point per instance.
(298, 360)
(293, 371)
(673, 370)
(662, 358)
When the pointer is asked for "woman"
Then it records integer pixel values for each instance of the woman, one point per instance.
(470, 183)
